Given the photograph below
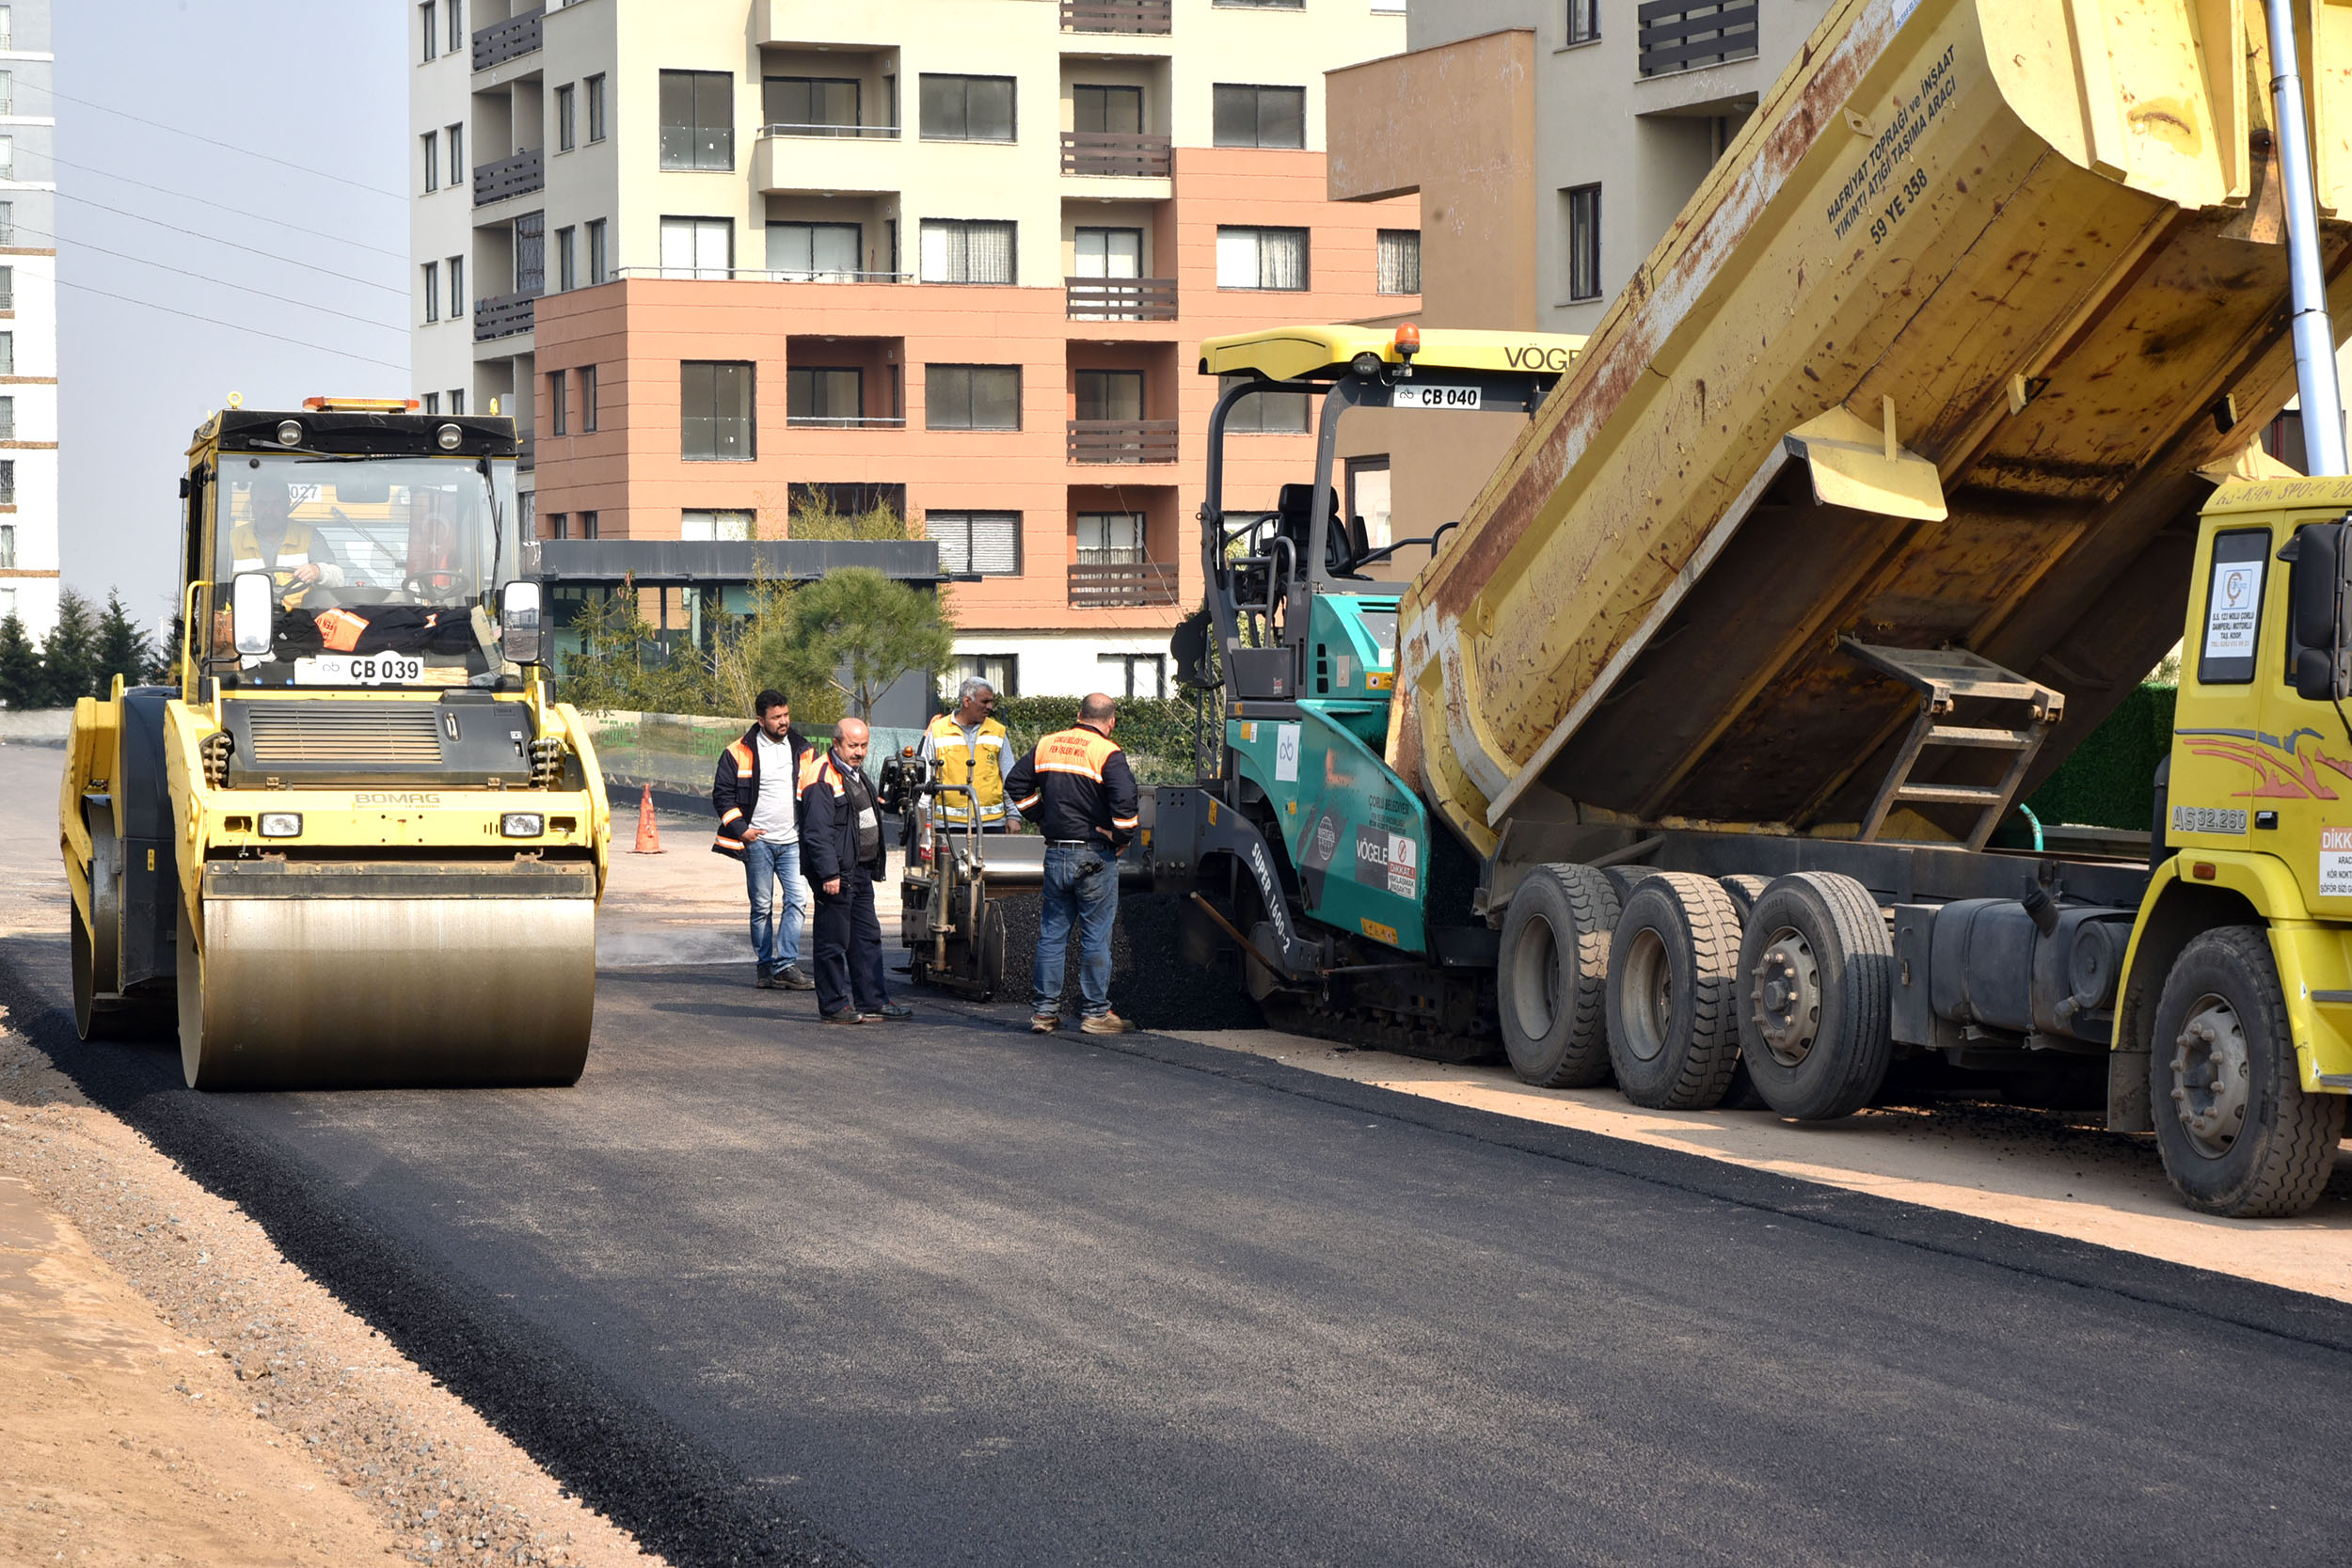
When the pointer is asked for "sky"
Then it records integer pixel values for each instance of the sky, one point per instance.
(319, 84)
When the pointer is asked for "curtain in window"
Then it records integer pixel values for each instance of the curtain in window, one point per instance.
(955, 252)
(983, 542)
(1281, 257)
(1109, 253)
(1110, 538)
(531, 254)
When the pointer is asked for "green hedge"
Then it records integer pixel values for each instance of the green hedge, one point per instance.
(2110, 781)
(1156, 732)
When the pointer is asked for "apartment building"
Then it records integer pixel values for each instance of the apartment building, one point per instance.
(953, 256)
(28, 318)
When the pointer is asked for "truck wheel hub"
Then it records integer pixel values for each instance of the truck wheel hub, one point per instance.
(1787, 996)
(2212, 1073)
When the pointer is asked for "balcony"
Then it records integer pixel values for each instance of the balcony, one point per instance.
(757, 275)
(519, 175)
(1122, 440)
(1120, 299)
(1678, 36)
(1117, 154)
(1123, 585)
(830, 132)
(846, 422)
(502, 316)
(501, 41)
(832, 158)
(1115, 16)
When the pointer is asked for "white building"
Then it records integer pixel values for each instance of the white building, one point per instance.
(28, 320)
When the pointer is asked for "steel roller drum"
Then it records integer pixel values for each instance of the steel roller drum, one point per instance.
(380, 993)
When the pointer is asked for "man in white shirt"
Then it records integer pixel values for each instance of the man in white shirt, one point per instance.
(757, 794)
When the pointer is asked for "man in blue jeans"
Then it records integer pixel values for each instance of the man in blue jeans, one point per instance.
(1078, 787)
(756, 793)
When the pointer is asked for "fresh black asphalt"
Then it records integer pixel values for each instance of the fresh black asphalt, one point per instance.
(769, 1290)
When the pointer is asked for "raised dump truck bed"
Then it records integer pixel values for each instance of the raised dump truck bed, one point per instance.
(1933, 360)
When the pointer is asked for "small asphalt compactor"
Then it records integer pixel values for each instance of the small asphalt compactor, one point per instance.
(352, 842)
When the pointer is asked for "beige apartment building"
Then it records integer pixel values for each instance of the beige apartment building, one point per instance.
(956, 256)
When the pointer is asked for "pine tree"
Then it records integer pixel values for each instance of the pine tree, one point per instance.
(163, 664)
(122, 648)
(69, 666)
(19, 665)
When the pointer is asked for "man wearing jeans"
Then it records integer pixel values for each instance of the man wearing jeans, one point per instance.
(756, 793)
(1078, 787)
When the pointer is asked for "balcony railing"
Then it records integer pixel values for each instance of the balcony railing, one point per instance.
(1676, 34)
(519, 175)
(1122, 440)
(762, 275)
(502, 316)
(846, 422)
(1117, 154)
(1115, 16)
(529, 459)
(1140, 584)
(860, 132)
(501, 41)
(1120, 299)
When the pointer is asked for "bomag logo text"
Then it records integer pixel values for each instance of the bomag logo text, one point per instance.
(1535, 356)
(398, 798)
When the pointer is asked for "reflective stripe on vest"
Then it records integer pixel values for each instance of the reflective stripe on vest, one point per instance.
(1081, 750)
(980, 765)
(340, 629)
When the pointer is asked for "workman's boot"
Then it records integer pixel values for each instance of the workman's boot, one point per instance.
(765, 979)
(1103, 1023)
(793, 977)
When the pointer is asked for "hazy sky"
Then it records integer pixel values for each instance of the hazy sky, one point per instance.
(321, 83)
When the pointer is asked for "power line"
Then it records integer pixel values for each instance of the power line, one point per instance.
(213, 239)
(209, 141)
(250, 331)
(223, 282)
(233, 211)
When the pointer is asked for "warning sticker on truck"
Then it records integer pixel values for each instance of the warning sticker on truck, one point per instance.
(2335, 862)
(1387, 860)
(2231, 621)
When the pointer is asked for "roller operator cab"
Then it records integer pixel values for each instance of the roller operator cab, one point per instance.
(353, 842)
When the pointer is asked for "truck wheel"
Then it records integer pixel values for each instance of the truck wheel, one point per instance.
(2238, 1134)
(1817, 982)
(1745, 888)
(1554, 968)
(1673, 982)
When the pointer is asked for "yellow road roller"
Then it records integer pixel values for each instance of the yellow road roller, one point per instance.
(353, 844)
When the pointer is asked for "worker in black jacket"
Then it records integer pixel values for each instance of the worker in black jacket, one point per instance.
(841, 854)
(756, 790)
(1076, 785)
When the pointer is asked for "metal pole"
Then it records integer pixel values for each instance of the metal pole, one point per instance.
(2314, 335)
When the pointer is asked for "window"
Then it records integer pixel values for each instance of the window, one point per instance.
(7, 546)
(8, 481)
(7, 223)
(715, 411)
(566, 260)
(964, 252)
(972, 397)
(697, 120)
(825, 252)
(587, 525)
(1368, 494)
(824, 394)
(967, 108)
(556, 423)
(1261, 257)
(1001, 671)
(717, 525)
(8, 418)
(849, 501)
(1134, 674)
(810, 105)
(458, 400)
(564, 118)
(594, 87)
(456, 136)
(1400, 261)
(8, 157)
(556, 521)
(2233, 606)
(432, 159)
(1108, 253)
(432, 32)
(987, 544)
(1110, 394)
(456, 9)
(1584, 223)
(697, 247)
(1584, 20)
(1110, 538)
(8, 287)
(8, 27)
(531, 254)
(7, 354)
(432, 402)
(1266, 414)
(456, 267)
(433, 290)
(587, 397)
(1260, 117)
(599, 271)
(1112, 111)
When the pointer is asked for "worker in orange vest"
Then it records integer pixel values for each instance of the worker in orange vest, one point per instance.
(1078, 787)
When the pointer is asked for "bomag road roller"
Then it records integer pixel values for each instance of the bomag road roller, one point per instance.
(353, 843)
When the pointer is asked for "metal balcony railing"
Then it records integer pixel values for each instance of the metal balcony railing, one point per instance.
(1676, 34)
(1120, 299)
(1117, 154)
(860, 132)
(762, 275)
(1115, 16)
(501, 41)
(502, 317)
(1122, 440)
(519, 175)
(1140, 584)
(846, 422)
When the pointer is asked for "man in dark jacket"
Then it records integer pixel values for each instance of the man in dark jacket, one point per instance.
(1076, 785)
(842, 853)
(756, 793)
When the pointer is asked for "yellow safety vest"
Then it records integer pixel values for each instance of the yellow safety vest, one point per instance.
(981, 765)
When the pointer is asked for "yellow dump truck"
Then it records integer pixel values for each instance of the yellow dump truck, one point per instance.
(1924, 433)
(353, 842)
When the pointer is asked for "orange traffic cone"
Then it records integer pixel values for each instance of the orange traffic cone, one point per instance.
(649, 836)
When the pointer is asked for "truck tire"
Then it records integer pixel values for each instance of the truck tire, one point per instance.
(1816, 983)
(1673, 988)
(2239, 1135)
(1554, 966)
(1745, 888)
(1623, 880)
